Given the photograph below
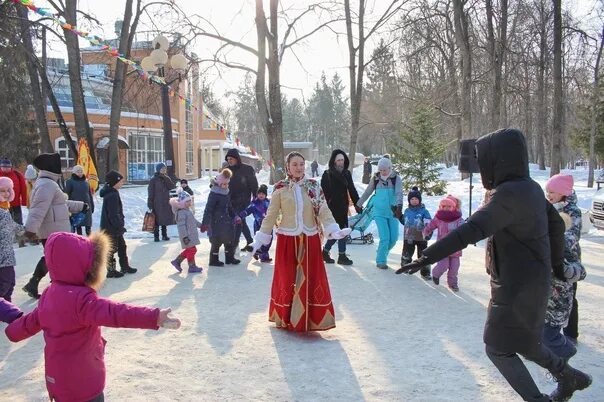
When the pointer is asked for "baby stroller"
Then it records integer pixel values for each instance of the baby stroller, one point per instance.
(359, 223)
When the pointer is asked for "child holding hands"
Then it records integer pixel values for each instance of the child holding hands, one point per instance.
(70, 313)
(187, 230)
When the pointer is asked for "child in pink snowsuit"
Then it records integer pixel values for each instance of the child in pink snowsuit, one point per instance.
(447, 218)
(71, 313)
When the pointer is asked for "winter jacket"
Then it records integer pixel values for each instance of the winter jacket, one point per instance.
(219, 216)
(8, 229)
(258, 208)
(49, 208)
(8, 311)
(70, 314)
(18, 186)
(416, 218)
(527, 241)
(560, 301)
(302, 209)
(112, 212)
(444, 222)
(78, 189)
(388, 194)
(159, 199)
(243, 185)
(188, 228)
(337, 186)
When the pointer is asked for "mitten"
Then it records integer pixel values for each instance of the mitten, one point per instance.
(204, 228)
(237, 220)
(85, 208)
(398, 212)
(186, 240)
(414, 266)
(358, 209)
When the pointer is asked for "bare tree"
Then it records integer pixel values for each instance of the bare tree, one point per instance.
(462, 37)
(497, 45)
(356, 59)
(556, 150)
(594, 112)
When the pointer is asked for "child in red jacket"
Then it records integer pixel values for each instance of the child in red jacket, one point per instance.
(70, 312)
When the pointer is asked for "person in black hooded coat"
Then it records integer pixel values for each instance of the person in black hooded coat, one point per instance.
(243, 188)
(337, 185)
(526, 240)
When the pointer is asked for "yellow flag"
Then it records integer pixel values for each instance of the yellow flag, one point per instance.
(85, 160)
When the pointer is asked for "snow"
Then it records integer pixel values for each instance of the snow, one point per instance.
(397, 337)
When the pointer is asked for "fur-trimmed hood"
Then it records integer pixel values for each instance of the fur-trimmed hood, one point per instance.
(75, 259)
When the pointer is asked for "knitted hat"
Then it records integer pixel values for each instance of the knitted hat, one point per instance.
(561, 184)
(159, 167)
(77, 169)
(183, 196)
(6, 182)
(385, 163)
(262, 189)
(113, 177)
(49, 162)
(5, 162)
(223, 177)
(30, 173)
(456, 200)
(414, 193)
(446, 202)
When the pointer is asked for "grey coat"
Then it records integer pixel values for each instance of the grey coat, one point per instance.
(159, 199)
(188, 227)
(49, 208)
(77, 189)
(8, 230)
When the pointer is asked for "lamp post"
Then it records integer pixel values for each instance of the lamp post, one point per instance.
(156, 63)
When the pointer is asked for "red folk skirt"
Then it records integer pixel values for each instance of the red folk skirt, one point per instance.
(300, 297)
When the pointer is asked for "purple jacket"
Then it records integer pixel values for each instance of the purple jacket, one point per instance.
(8, 311)
(70, 314)
(444, 222)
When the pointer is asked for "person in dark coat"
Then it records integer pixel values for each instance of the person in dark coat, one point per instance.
(314, 168)
(112, 222)
(337, 186)
(526, 242)
(158, 201)
(242, 189)
(77, 189)
(367, 170)
(219, 220)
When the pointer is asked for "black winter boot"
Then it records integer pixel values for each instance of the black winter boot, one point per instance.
(128, 270)
(31, 288)
(327, 258)
(156, 234)
(214, 261)
(112, 272)
(229, 258)
(569, 380)
(343, 259)
(164, 233)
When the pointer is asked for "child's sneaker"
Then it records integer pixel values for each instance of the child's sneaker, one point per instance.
(194, 269)
(435, 280)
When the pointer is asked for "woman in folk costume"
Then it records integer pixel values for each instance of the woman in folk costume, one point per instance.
(300, 297)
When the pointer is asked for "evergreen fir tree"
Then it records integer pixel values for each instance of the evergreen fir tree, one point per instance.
(415, 154)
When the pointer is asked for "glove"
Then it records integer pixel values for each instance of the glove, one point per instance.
(204, 228)
(398, 212)
(85, 208)
(340, 234)
(186, 240)
(255, 246)
(358, 209)
(237, 220)
(413, 267)
(427, 238)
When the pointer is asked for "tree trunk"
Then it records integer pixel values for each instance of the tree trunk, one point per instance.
(594, 111)
(541, 111)
(117, 93)
(462, 39)
(558, 104)
(39, 101)
(496, 45)
(80, 115)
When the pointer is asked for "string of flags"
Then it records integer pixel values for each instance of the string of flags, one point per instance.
(114, 52)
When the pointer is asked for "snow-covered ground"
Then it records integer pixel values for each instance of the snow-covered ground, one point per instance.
(397, 337)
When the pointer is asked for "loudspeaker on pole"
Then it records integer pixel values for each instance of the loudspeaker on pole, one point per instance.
(468, 163)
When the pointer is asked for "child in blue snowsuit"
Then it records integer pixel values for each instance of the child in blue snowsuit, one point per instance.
(416, 217)
(387, 208)
(258, 208)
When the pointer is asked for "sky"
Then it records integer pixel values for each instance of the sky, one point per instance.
(323, 52)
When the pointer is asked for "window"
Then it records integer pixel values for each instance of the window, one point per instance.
(189, 131)
(146, 150)
(67, 157)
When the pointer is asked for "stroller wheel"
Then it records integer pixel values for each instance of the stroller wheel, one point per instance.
(369, 238)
